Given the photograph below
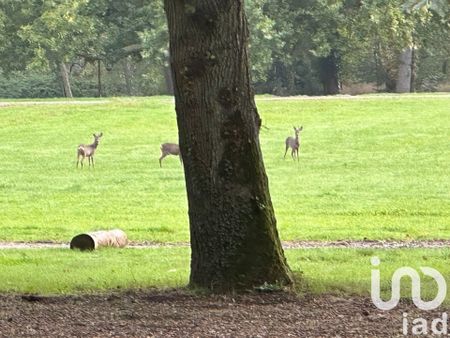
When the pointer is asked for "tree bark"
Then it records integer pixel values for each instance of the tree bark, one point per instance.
(403, 83)
(65, 80)
(234, 240)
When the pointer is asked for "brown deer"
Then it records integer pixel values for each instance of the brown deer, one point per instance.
(293, 143)
(169, 149)
(88, 150)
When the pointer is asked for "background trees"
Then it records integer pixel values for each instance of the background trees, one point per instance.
(107, 47)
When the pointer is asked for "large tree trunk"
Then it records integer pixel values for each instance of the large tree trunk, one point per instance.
(403, 83)
(329, 74)
(234, 240)
(65, 80)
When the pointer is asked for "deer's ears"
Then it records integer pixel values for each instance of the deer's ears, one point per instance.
(301, 128)
(101, 134)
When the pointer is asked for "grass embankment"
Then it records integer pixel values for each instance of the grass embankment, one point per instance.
(372, 168)
(338, 271)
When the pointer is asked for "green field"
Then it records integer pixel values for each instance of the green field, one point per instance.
(372, 167)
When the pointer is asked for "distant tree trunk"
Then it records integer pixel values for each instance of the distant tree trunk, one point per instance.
(378, 68)
(168, 76)
(65, 79)
(403, 83)
(168, 80)
(290, 81)
(413, 71)
(234, 240)
(127, 72)
(329, 74)
(99, 78)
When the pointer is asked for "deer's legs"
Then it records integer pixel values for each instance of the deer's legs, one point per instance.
(81, 162)
(161, 158)
(91, 160)
(287, 147)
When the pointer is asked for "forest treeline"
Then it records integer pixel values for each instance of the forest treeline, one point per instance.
(52, 48)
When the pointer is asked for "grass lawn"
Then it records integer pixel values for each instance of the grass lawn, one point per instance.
(342, 271)
(375, 167)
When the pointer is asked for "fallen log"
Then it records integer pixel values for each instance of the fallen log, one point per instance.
(104, 238)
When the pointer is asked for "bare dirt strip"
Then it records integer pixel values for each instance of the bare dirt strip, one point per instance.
(300, 244)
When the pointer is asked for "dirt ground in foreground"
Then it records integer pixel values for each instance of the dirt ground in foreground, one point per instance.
(177, 313)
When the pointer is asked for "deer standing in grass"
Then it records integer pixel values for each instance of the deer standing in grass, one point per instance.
(169, 149)
(88, 150)
(293, 143)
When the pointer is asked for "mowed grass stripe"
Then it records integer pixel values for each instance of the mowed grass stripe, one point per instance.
(342, 271)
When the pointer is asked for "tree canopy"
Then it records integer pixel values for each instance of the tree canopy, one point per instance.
(297, 46)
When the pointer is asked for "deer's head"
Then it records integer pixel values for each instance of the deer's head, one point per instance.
(298, 130)
(97, 137)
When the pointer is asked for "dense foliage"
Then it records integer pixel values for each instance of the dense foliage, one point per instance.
(108, 47)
